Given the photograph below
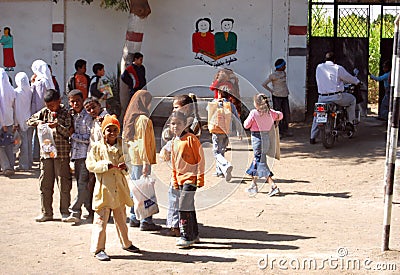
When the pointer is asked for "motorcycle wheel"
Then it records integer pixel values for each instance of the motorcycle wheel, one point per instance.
(327, 137)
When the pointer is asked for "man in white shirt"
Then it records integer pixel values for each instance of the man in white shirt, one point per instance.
(330, 81)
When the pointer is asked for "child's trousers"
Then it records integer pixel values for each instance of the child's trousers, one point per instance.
(100, 221)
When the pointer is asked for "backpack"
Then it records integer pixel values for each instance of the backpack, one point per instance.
(219, 117)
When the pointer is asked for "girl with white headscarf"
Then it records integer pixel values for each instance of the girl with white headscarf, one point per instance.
(22, 114)
(41, 81)
(7, 103)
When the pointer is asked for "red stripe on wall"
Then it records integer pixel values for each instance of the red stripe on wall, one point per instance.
(298, 30)
(58, 28)
(134, 36)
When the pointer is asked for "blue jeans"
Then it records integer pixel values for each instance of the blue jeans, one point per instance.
(25, 153)
(173, 208)
(220, 142)
(260, 143)
(136, 173)
(7, 157)
(82, 198)
(384, 110)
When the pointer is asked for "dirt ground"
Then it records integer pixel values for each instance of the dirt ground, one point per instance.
(327, 220)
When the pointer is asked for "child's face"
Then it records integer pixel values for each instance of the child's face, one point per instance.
(386, 69)
(53, 106)
(101, 72)
(82, 70)
(76, 103)
(93, 109)
(111, 134)
(139, 61)
(177, 126)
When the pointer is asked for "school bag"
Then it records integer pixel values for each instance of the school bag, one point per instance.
(219, 117)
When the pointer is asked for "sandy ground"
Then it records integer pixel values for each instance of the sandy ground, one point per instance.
(329, 216)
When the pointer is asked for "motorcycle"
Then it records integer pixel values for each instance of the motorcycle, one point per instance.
(332, 119)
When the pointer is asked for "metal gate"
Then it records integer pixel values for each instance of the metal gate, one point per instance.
(342, 27)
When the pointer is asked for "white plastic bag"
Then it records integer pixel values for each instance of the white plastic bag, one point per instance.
(144, 197)
(46, 141)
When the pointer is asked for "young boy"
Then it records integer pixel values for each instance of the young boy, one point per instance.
(97, 85)
(106, 160)
(280, 95)
(93, 108)
(219, 125)
(52, 169)
(135, 75)
(80, 80)
(80, 139)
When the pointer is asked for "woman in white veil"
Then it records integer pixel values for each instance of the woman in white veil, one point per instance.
(7, 103)
(22, 114)
(41, 81)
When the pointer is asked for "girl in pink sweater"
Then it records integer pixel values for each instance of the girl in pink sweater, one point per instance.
(260, 121)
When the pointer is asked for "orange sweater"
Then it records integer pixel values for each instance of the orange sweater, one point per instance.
(187, 158)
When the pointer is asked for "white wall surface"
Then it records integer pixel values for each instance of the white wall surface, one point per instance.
(98, 35)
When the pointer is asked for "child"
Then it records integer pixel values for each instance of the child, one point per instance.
(187, 105)
(80, 80)
(139, 135)
(7, 101)
(260, 121)
(384, 110)
(280, 93)
(111, 193)
(97, 85)
(93, 108)
(135, 75)
(187, 159)
(219, 125)
(80, 139)
(52, 169)
(22, 113)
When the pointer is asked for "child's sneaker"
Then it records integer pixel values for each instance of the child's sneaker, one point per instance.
(274, 191)
(184, 243)
(252, 190)
(228, 175)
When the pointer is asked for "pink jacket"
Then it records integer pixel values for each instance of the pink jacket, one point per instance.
(257, 121)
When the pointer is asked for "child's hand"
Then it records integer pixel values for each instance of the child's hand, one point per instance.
(53, 124)
(122, 166)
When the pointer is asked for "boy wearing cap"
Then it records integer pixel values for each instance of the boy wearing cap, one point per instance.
(280, 95)
(111, 191)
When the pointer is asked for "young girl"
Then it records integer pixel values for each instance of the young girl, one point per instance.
(260, 121)
(187, 159)
(139, 135)
(188, 105)
(111, 192)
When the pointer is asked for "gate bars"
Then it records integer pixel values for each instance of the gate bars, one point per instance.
(392, 135)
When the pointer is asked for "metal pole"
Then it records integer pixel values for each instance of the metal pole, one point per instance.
(393, 129)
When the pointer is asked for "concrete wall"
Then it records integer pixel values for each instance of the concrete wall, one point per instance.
(97, 35)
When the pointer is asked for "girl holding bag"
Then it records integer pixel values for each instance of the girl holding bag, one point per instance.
(260, 121)
(138, 134)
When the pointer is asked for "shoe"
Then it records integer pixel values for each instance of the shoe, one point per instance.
(171, 232)
(72, 219)
(9, 173)
(356, 122)
(64, 217)
(274, 191)
(133, 223)
(228, 175)
(312, 141)
(132, 249)
(184, 243)
(218, 175)
(145, 226)
(252, 190)
(197, 239)
(43, 218)
(102, 256)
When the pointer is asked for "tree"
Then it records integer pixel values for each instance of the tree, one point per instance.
(139, 10)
